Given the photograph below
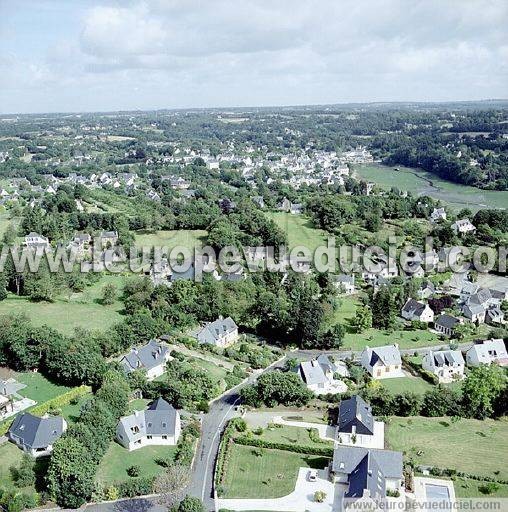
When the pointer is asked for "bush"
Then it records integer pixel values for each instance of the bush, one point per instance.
(135, 487)
(240, 425)
(134, 470)
(325, 451)
(319, 496)
(488, 488)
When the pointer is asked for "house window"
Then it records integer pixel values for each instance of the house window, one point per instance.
(149, 437)
(164, 437)
(164, 425)
(149, 424)
(135, 429)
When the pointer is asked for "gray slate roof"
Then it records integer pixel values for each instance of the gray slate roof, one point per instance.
(389, 355)
(446, 321)
(158, 419)
(413, 307)
(214, 331)
(147, 357)
(447, 357)
(35, 432)
(367, 469)
(355, 412)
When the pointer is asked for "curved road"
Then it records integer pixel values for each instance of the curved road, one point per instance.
(221, 410)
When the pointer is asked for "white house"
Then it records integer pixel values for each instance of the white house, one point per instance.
(382, 362)
(367, 472)
(221, 333)
(320, 375)
(151, 357)
(414, 310)
(446, 365)
(437, 215)
(488, 352)
(35, 240)
(344, 283)
(35, 435)
(159, 424)
(356, 425)
(463, 226)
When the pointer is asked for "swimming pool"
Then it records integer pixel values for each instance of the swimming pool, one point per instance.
(437, 492)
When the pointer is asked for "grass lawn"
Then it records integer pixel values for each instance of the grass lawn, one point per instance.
(271, 475)
(215, 372)
(71, 411)
(299, 230)
(67, 313)
(114, 465)
(183, 238)
(139, 404)
(471, 446)
(10, 455)
(290, 435)
(467, 488)
(39, 388)
(420, 182)
(400, 385)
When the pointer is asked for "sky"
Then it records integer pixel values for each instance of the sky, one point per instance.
(103, 55)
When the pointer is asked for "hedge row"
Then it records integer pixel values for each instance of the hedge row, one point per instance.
(453, 472)
(55, 403)
(325, 451)
(424, 374)
(221, 462)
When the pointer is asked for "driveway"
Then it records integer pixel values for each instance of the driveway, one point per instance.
(300, 500)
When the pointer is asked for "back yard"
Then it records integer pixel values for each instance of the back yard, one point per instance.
(467, 445)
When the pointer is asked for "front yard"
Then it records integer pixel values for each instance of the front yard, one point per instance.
(264, 473)
(467, 445)
(291, 435)
(116, 461)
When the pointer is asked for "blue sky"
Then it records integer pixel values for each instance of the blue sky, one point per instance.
(86, 55)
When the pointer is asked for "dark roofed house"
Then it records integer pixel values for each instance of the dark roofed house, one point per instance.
(368, 473)
(414, 310)
(356, 425)
(445, 324)
(151, 357)
(158, 424)
(35, 435)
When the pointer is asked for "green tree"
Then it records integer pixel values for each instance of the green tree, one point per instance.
(191, 504)
(480, 390)
(108, 294)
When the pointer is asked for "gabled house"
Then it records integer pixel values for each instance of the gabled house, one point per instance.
(367, 473)
(463, 227)
(259, 200)
(151, 357)
(284, 205)
(382, 362)
(108, 239)
(426, 290)
(437, 215)
(220, 333)
(414, 310)
(446, 365)
(34, 240)
(35, 435)
(487, 352)
(321, 375)
(344, 283)
(356, 425)
(445, 324)
(159, 424)
(474, 312)
(495, 316)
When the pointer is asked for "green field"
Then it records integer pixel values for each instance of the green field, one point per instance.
(271, 475)
(66, 313)
(299, 230)
(116, 461)
(402, 384)
(472, 446)
(376, 338)
(420, 182)
(170, 239)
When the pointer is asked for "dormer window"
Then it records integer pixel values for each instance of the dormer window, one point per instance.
(164, 425)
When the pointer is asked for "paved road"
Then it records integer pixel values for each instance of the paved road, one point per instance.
(213, 424)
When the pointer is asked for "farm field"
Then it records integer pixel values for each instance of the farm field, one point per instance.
(65, 314)
(116, 461)
(271, 475)
(465, 445)
(420, 182)
(184, 238)
(299, 230)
